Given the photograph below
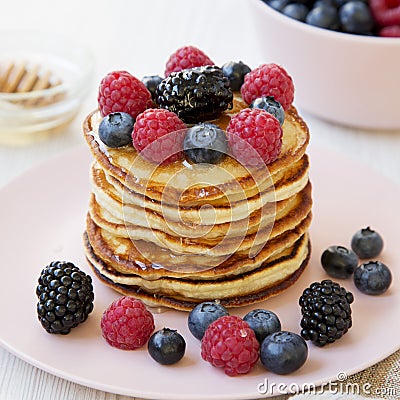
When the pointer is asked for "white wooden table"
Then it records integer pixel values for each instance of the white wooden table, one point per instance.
(139, 36)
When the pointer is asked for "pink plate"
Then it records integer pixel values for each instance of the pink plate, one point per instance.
(42, 216)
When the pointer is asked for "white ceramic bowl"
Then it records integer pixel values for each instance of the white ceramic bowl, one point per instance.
(28, 115)
(344, 78)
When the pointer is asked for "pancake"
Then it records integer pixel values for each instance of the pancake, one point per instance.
(293, 181)
(221, 245)
(108, 208)
(129, 257)
(242, 290)
(175, 235)
(188, 186)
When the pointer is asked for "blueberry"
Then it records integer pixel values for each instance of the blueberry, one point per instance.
(166, 346)
(283, 352)
(205, 143)
(372, 277)
(278, 5)
(296, 11)
(339, 3)
(151, 82)
(339, 262)
(324, 16)
(324, 3)
(235, 72)
(367, 243)
(115, 129)
(269, 104)
(263, 323)
(203, 315)
(356, 17)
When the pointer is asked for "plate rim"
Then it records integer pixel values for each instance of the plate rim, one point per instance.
(81, 151)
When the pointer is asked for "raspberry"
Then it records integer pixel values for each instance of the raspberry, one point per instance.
(390, 31)
(119, 91)
(259, 129)
(186, 57)
(268, 80)
(158, 135)
(127, 324)
(386, 12)
(231, 344)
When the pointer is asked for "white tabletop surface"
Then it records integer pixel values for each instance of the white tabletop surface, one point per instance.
(139, 36)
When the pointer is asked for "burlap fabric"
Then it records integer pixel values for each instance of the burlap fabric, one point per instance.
(381, 381)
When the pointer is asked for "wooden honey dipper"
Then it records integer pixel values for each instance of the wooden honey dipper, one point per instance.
(20, 78)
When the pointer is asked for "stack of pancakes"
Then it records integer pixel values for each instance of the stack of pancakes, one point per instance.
(179, 234)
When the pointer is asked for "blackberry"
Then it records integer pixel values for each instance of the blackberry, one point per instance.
(65, 296)
(326, 312)
(196, 94)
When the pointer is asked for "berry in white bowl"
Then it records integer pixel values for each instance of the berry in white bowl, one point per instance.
(340, 77)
